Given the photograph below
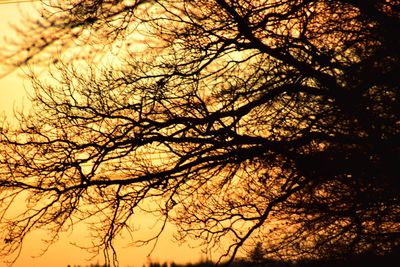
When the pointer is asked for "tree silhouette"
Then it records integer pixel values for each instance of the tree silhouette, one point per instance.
(256, 256)
(275, 121)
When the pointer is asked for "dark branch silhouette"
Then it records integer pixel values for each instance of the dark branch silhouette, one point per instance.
(237, 121)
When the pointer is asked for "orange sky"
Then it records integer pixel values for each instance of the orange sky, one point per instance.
(13, 94)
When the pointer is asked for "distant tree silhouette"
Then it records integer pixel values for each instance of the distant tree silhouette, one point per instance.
(257, 254)
(155, 264)
(235, 120)
(365, 260)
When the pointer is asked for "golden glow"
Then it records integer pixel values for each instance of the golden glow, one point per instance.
(13, 96)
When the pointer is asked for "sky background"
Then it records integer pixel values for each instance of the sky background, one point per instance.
(13, 88)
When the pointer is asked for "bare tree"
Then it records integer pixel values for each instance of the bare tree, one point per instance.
(238, 121)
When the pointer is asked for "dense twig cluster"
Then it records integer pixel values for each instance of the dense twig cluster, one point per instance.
(237, 120)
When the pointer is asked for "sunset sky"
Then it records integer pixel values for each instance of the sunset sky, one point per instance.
(13, 89)
(268, 130)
